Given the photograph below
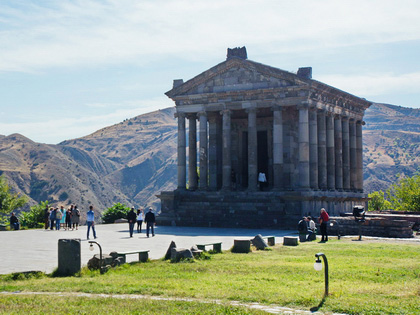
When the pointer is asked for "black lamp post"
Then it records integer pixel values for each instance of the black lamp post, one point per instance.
(318, 267)
(359, 217)
(100, 254)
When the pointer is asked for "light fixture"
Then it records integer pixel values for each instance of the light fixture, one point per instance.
(318, 267)
(100, 255)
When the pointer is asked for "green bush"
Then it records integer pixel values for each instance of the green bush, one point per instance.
(117, 211)
(34, 218)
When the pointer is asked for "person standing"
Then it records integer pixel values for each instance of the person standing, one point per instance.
(14, 222)
(68, 218)
(323, 220)
(139, 219)
(150, 220)
(75, 217)
(47, 217)
(52, 218)
(63, 217)
(58, 217)
(131, 217)
(90, 219)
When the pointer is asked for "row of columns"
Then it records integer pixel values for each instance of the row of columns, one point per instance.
(330, 150)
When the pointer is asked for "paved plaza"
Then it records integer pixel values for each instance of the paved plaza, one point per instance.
(29, 250)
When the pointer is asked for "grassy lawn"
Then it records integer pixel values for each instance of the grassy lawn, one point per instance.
(367, 277)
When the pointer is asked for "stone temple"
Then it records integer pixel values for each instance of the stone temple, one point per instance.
(272, 146)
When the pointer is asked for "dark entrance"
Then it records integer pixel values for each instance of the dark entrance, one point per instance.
(262, 148)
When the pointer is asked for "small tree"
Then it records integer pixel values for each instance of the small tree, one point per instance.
(117, 211)
(405, 195)
(35, 217)
(9, 202)
(378, 201)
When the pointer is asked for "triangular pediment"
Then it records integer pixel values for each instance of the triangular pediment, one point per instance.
(237, 74)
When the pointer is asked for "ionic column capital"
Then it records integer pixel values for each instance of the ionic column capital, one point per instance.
(191, 116)
(179, 115)
(202, 113)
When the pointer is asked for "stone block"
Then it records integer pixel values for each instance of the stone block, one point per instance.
(290, 241)
(69, 257)
(180, 253)
(241, 246)
(259, 242)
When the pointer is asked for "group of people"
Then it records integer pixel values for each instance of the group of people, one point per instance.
(61, 218)
(307, 227)
(139, 217)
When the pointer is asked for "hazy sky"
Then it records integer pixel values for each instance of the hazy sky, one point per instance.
(69, 68)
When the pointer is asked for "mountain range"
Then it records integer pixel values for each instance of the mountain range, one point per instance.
(133, 161)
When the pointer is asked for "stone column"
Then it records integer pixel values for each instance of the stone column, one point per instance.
(192, 152)
(213, 150)
(313, 148)
(330, 152)
(303, 146)
(359, 156)
(278, 183)
(203, 150)
(252, 149)
(353, 155)
(322, 151)
(227, 163)
(346, 153)
(338, 147)
(182, 159)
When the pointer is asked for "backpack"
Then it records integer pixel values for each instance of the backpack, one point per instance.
(58, 215)
(302, 226)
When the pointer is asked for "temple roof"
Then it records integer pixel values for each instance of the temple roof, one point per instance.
(237, 74)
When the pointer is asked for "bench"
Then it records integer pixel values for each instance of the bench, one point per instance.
(217, 247)
(271, 240)
(143, 255)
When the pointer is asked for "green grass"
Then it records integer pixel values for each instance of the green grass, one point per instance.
(365, 278)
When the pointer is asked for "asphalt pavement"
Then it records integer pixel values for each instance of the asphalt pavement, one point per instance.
(37, 250)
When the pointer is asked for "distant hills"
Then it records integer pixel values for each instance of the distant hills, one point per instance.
(134, 160)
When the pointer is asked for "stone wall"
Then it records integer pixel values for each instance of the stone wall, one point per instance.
(380, 227)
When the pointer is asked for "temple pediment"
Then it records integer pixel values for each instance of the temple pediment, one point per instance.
(237, 74)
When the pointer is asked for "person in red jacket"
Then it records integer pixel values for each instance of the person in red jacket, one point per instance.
(323, 220)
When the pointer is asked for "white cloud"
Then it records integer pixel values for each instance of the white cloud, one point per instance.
(375, 84)
(104, 32)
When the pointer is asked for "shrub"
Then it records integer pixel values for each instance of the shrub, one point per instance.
(117, 211)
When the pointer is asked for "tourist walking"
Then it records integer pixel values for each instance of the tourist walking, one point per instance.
(131, 217)
(323, 220)
(150, 220)
(75, 218)
(139, 219)
(90, 220)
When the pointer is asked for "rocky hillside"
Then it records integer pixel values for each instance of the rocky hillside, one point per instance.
(391, 145)
(134, 160)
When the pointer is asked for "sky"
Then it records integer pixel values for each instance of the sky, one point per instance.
(71, 67)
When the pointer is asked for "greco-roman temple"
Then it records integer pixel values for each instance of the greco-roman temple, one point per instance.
(272, 146)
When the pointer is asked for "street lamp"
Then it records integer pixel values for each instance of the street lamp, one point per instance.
(359, 217)
(334, 222)
(318, 267)
(100, 254)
